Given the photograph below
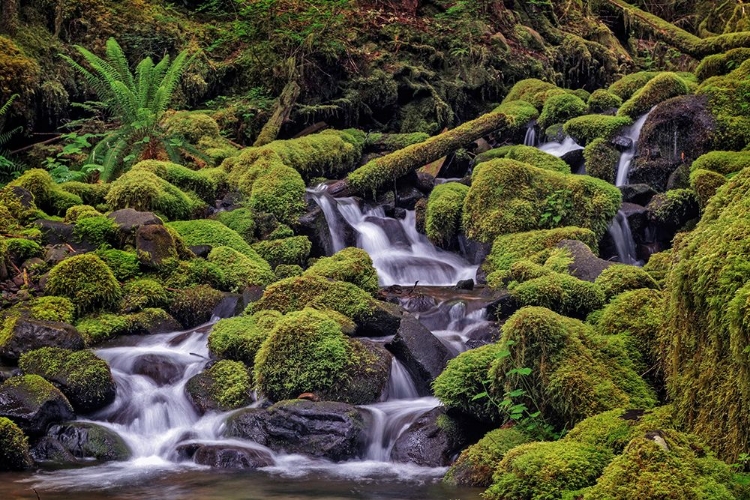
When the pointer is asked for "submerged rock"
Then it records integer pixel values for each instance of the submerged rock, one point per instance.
(232, 457)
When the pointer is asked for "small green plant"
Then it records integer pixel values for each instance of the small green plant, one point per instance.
(556, 206)
(8, 167)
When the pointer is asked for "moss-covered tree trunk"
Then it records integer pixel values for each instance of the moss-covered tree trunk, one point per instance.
(284, 106)
(9, 17)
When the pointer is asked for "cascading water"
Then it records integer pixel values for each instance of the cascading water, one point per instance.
(560, 148)
(626, 158)
(400, 254)
(622, 237)
(530, 138)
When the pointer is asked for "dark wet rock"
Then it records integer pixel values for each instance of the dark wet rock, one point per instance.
(639, 194)
(129, 220)
(368, 383)
(232, 457)
(336, 431)
(29, 334)
(417, 303)
(585, 266)
(425, 182)
(81, 440)
(473, 251)
(160, 368)
(231, 305)
(313, 224)
(23, 195)
(433, 440)
(339, 189)
(408, 196)
(33, 404)
(399, 213)
(484, 332)
(575, 160)
(154, 245)
(201, 251)
(622, 143)
(423, 355)
(205, 392)
(637, 218)
(680, 178)
(54, 254)
(654, 172)
(384, 321)
(502, 305)
(465, 284)
(57, 233)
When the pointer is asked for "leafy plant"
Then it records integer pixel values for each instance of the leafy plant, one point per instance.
(137, 103)
(8, 167)
(556, 206)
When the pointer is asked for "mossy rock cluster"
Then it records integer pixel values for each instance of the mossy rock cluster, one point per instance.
(87, 281)
(444, 213)
(526, 154)
(352, 265)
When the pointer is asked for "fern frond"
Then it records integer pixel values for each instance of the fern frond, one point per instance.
(4, 108)
(5, 136)
(169, 83)
(112, 160)
(119, 62)
(97, 84)
(172, 152)
(144, 73)
(196, 153)
(127, 102)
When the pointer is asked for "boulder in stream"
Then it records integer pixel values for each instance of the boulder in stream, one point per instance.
(29, 334)
(33, 404)
(80, 441)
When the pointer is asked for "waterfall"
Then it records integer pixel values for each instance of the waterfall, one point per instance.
(619, 231)
(530, 138)
(633, 133)
(560, 148)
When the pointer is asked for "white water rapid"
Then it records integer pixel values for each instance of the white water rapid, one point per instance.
(560, 148)
(622, 237)
(626, 158)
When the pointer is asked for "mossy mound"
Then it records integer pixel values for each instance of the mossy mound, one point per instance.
(721, 64)
(49, 308)
(145, 191)
(80, 212)
(240, 220)
(14, 447)
(240, 338)
(20, 249)
(194, 305)
(225, 386)
(97, 230)
(705, 183)
(658, 266)
(87, 281)
(292, 250)
(728, 99)
(561, 108)
(352, 265)
(240, 270)
(586, 128)
(91, 194)
(537, 471)
(561, 293)
(620, 278)
(213, 233)
(674, 208)
(47, 194)
(97, 329)
(476, 464)
(124, 265)
(82, 377)
(601, 160)
(603, 100)
(526, 154)
(625, 87)
(531, 90)
(722, 162)
(205, 182)
(142, 293)
(662, 87)
(507, 196)
(193, 126)
(444, 211)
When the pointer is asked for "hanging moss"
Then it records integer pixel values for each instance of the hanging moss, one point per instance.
(603, 100)
(601, 160)
(585, 129)
(443, 214)
(526, 154)
(561, 108)
(87, 281)
(659, 89)
(352, 265)
(507, 196)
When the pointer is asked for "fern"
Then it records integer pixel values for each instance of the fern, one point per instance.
(8, 167)
(137, 102)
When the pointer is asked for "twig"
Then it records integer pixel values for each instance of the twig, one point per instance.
(25, 148)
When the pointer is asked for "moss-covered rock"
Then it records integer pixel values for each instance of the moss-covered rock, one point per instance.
(240, 338)
(603, 100)
(674, 208)
(352, 265)
(728, 98)
(721, 64)
(292, 250)
(658, 266)
(625, 87)
(80, 212)
(283, 271)
(213, 233)
(526, 154)
(225, 386)
(561, 293)
(507, 196)
(33, 404)
(561, 108)
(601, 160)
(124, 264)
(14, 447)
(52, 308)
(531, 90)
(722, 162)
(151, 320)
(96, 230)
(87, 281)
(536, 471)
(193, 126)
(91, 194)
(84, 378)
(586, 128)
(705, 183)
(20, 249)
(205, 182)
(659, 89)
(620, 278)
(476, 464)
(240, 220)
(443, 214)
(194, 305)
(142, 293)
(241, 270)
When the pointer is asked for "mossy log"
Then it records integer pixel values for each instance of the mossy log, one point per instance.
(374, 174)
(284, 106)
(679, 38)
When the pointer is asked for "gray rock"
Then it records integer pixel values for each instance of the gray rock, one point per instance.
(622, 143)
(585, 266)
(232, 457)
(336, 431)
(160, 368)
(29, 334)
(465, 284)
(81, 440)
(503, 305)
(154, 245)
(427, 443)
(384, 321)
(423, 355)
(33, 404)
(639, 194)
(129, 220)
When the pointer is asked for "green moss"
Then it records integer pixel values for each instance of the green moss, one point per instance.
(475, 465)
(603, 100)
(86, 280)
(84, 378)
(61, 201)
(204, 182)
(530, 90)
(519, 114)
(585, 129)
(214, 233)
(80, 212)
(14, 447)
(685, 469)
(193, 126)
(103, 327)
(282, 231)
(35, 391)
(240, 338)
(621, 277)
(143, 293)
(722, 162)
(352, 265)
(561, 108)
(51, 308)
(294, 250)
(526, 154)
(97, 230)
(39, 183)
(561, 293)
(538, 471)
(240, 220)
(305, 352)
(21, 249)
(625, 87)
(393, 142)
(721, 64)
(705, 183)
(145, 191)
(674, 207)
(124, 265)
(658, 266)
(91, 194)
(601, 160)
(662, 87)
(283, 271)
(728, 100)
(227, 383)
(194, 305)
(443, 215)
(507, 196)
(240, 270)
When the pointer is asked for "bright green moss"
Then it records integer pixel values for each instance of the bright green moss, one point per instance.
(194, 305)
(722, 162)
(721, 64)
(293, 250)
(443, 215)
(528, 90)
(227, 383)
(561, 293)
(21, 249)
(560, 109)
(39, 183)
(507, 196)
(601, 160)
(240, 220)
(658, 266)
(352, 265)
(519, 114)
(705, 183)
(475, 465)
(84, 378)
(80, 212)
(546, 470)
(205, 182)
(14, 447)
(192, 125)
(625, 87)
(305, 352)
(91, 194)
(124, 265)
(586, 128)
(603, 100)
(199, 272)
(103, 327)
(61, 201)
(393, 142)
(283, 271)
(145, 191)
(621, 277)
(240, 338)
(214, 233)
(282, 231)
(526, 154)
(87, 281)
(97, 230)
(728, 99)
(143, 293)
(35, 390)
(51, 308)
(662, 87)
(240, 270)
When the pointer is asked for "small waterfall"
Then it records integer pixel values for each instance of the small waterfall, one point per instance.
(560, 148)
(530, 138)
(626, 158)
(327, 204)
(619, 231)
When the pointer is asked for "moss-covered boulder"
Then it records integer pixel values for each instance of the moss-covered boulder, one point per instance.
(670, 211)
(620, 278)
(601, 160)
(561, 293)
(241, 270)
(96, 231)
(560, 108)
(531, 90)
(87, 281)
(625, 87)
(722, 162)
(194, 305)
(47, 195)
(602, 100)
(241, 220)
(141, 293)
(148, 321)
(443, 214)
(240, 338)
(213, 233)
(84, 378)
(527, 154)
(660, 88)
(14, 447)
(75, 441)
(226, 385)
(292, 250)
(33, 404)
(705, 183)
(145, 191)
(507, 196)
(351, 264)
(728, 97)
(586, 128)
(19, 335)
